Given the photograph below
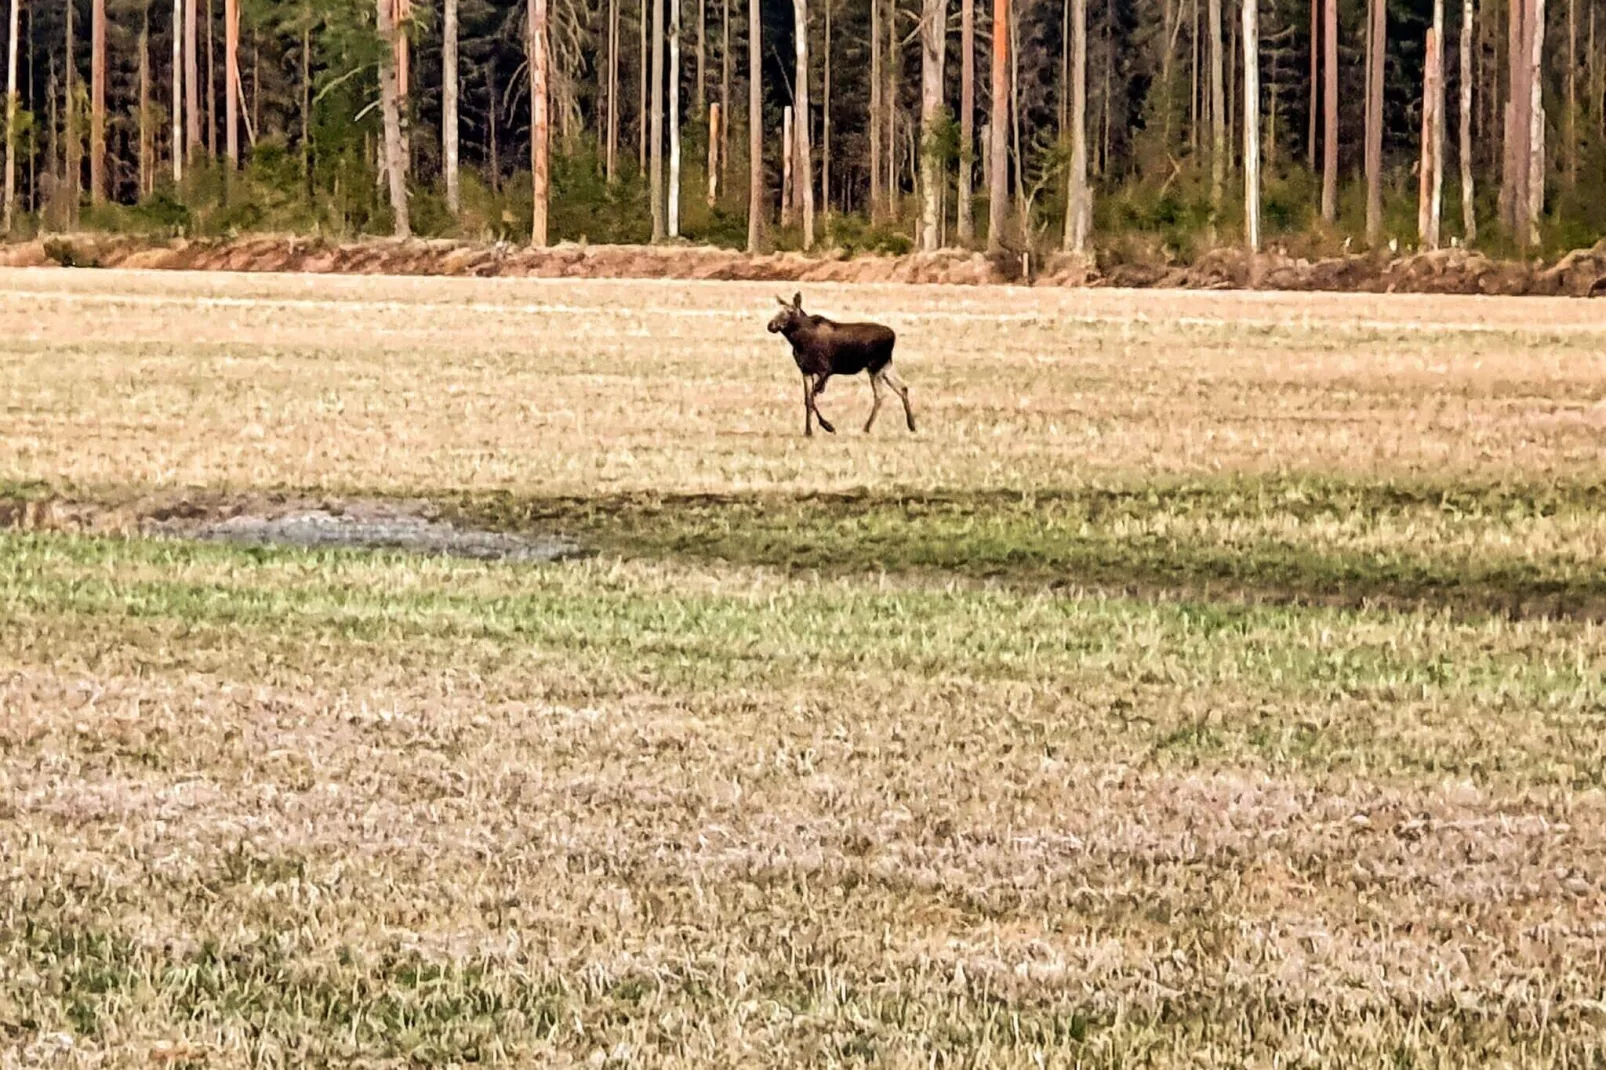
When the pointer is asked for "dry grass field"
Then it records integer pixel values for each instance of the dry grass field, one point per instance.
(1215, 680)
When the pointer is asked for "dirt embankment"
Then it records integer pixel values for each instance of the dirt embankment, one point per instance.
(1451, 271)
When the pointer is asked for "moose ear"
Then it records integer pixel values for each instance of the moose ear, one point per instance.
(797, 300)
(782, 302)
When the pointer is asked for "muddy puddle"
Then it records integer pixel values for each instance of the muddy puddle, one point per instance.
(403, 526)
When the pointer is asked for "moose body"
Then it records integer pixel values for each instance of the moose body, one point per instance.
(823, 348)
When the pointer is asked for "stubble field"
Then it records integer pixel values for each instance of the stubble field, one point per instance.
(1216, 679)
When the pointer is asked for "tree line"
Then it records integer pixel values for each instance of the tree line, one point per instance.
(1018, 124)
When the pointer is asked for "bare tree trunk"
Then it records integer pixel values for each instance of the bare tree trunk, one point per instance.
(755, 127)
(449, 123)
(933, 32)
(1193, 77)
(97, 102)
(389, 103)
(1315, 71)
(11, 118)
(643, 120)
(1536, 120)
(1515, 123)
(967, 120)
(211, 84)
(1377, 39)
(1437, 53)
(74, 148)
(1427, 222)
(306, 113)
(147, 164)
(1469, 216)
(998, 130)
(178, 92)
(890, 99)
(540, 133)
(716, 129)
(611, 152)
(803, 165)
(1572, 94)
(788, 150)
(1252, 125)
(724, 88)
(1330, 111)
(674, 118)
(231, 84)
(1078, 211)
(700, 93)
(825, 119)
(876, 108)
(192, 81)
(1022, 205)
(657, 179)
(1218, 109)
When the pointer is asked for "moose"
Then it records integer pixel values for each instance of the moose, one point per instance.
(823, 348)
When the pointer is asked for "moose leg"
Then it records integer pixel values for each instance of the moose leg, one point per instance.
(819, 388)
(875, 406)
(808, 407)
(902, 389)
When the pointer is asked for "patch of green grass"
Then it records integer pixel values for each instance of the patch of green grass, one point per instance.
(1284, 539)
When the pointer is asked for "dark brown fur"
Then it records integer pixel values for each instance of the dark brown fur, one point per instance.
(823, 348)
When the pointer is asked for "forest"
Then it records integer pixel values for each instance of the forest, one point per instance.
(860, 125)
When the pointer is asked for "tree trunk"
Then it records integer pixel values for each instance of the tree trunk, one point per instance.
(74, 147)
(1315, 79)
(700, 93)
(1514, 120)
(177, 135)
(966, 224)
(755, 127)
(788, 147)
(211, 83)
(1022, 206)
(803, 165)
(1572, 94)
(1427, 222)
(876, 108)
(1078, 211)
(306, 113)
(192, 80)
(147, 165)
(724, 88)
(643, 120)
(449, 122)
(998, 130)
(231, 85)
(933, 32)
(890, 100)
(1377, 39)
(540, 135)
(11, 119)
(97, 102)
(1218, 110)
(825, 119)
(1536, 120)
(657, 178)
(1469, 217)
(1252, 125)
(1437, 53)
(1330, 111)
(611, 150)
(674, 118)
(716, 129)
(389, 103)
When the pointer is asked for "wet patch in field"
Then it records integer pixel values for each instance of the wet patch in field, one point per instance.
(360, 524)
